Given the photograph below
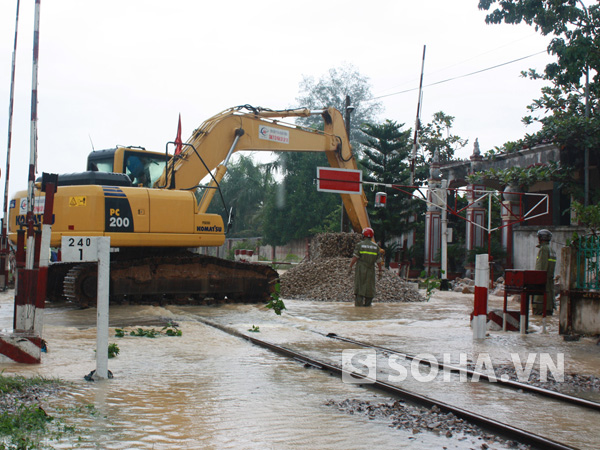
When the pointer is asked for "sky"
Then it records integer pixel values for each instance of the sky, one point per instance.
(119, 72)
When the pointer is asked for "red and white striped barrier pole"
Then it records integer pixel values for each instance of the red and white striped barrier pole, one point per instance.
(24, 345)
(4, 247)
(26, 282)
(482, 280)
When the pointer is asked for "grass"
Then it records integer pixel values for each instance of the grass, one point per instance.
(24, 424)
(16, 384)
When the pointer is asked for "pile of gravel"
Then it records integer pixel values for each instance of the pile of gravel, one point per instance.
(333, 245)
(418, 419)
(573, 382)
(325, 276)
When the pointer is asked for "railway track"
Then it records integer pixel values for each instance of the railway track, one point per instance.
(502, 429)
(482, 376)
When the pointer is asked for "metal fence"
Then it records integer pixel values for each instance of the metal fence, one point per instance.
(588, 259)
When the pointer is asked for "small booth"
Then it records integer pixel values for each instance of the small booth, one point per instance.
(525, 283)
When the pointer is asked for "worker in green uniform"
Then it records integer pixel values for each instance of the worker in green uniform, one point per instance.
(546, 261)
(366, 255)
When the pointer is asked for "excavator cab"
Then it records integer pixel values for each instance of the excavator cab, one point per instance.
(142, 167)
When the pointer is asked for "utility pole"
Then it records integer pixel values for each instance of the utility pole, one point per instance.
(415, 148)
(586, 154)
(586, 150)
(444, 249)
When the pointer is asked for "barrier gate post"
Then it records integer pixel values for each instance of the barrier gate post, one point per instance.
(482, 280)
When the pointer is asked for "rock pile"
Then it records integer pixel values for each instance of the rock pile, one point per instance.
(418, 419)
(467, 286)
(572, 382)
(333, 245)
(325, 276)
(464, 285)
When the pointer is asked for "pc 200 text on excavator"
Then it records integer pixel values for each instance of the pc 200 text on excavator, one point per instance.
(146, 202)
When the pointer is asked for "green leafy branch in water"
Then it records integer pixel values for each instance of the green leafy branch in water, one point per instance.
(113, 350)
(254, 329)
(171, 329)
(140, 332)
(276, 304)
(431, 283)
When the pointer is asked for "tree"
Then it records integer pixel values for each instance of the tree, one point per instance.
(295, 207)
(568, 108)
(435, 136)
(574, 26)
(332, 89)
(244, 188)
(385, 160)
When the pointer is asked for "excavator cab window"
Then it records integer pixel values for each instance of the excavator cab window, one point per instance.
(143, 168)
(101, 165)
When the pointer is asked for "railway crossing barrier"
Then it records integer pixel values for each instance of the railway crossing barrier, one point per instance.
(25, 344)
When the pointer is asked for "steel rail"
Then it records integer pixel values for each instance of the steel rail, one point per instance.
(578, 401)
(503, 429)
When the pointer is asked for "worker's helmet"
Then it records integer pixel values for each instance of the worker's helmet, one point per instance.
(544, 235)
(368, 232)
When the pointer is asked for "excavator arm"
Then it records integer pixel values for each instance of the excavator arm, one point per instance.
(261, 130)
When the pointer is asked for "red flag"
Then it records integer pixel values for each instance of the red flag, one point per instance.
(178, 143)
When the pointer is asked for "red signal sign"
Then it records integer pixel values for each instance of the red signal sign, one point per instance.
(341, 181)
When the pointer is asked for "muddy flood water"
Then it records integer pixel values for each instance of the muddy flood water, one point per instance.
(208, 389)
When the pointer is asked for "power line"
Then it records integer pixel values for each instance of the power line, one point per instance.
(460, 76)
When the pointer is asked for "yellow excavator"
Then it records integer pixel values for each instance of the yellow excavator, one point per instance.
(146, 203)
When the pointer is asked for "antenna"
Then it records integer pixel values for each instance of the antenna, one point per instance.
(413, 156)
(91, 142)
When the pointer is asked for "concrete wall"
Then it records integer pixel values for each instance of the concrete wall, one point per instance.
(456, 172)
(525, 242)
(584, 312)
(293, 250)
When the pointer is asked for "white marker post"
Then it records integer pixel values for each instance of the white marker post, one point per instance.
(89, 249)
(482, 281)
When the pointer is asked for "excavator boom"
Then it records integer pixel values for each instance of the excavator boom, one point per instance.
(260, 130)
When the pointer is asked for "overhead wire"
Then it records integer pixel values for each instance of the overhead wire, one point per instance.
(458, 63)
(460, 76)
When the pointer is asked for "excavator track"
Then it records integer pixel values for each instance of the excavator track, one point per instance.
(179, 279)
